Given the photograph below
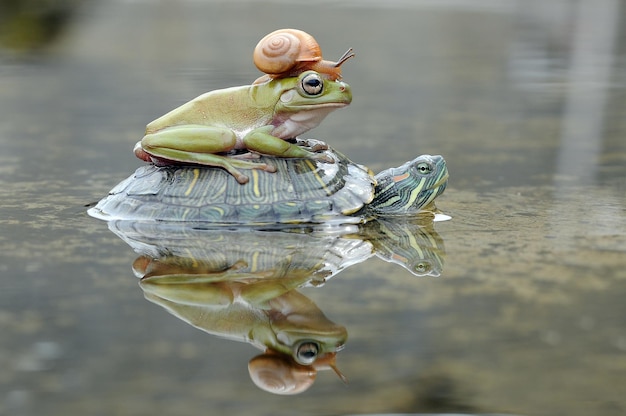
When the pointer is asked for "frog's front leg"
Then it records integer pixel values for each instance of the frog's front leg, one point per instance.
(197, 144)
(260, 140)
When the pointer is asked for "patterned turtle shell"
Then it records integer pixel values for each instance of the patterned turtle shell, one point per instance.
(300, 191)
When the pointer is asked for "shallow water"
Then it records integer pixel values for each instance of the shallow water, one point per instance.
(525, 101)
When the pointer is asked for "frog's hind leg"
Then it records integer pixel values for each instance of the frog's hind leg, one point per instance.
(261, 141)
(198, 144)
(231, 165)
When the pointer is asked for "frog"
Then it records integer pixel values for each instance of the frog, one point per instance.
(252, 119)
(253, 301)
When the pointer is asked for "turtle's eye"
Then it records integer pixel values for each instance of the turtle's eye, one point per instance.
(422, 268)
(306, 352)
(424, 168)
(312, 84)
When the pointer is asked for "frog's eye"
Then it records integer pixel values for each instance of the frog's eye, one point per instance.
(424, 168)
(306, 352)
(312, 84)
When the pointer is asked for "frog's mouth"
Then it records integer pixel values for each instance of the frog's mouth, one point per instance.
(322, 106)
(312, 107)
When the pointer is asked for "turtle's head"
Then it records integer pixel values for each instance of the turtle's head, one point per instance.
(407, 189)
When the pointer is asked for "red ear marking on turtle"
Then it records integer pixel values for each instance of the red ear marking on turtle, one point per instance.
(399, 178)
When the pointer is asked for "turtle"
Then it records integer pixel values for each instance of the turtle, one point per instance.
(301, 191)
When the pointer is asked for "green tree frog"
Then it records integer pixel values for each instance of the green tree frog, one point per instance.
(259, 118)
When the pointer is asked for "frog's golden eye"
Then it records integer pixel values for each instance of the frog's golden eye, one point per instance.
(312, 84)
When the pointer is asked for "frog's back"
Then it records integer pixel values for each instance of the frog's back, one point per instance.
(300, 191)
(219, 108)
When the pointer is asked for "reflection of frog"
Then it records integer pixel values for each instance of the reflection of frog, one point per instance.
(254, 117)
(261, 308)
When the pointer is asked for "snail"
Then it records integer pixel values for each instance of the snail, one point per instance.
(289, 52)
(281, 374)
(278, 374)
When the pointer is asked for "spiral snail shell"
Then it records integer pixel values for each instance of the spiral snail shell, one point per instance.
(279, 375)
(289, 52)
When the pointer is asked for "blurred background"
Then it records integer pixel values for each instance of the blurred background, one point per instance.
(526, 100)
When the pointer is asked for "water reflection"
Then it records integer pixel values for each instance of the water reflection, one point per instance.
(242, 284)
(260, 307)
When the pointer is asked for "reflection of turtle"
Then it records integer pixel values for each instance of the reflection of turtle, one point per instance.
(315, 254)
(301, 191)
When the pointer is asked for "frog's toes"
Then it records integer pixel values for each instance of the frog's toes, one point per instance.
(323, 157)
(319, 147)
(141, 154)
(238, 265)
(246, 156)
(268, 168)
(241, 178)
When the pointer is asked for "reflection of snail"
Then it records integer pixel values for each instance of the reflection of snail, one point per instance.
(280, 374)
(289, 52)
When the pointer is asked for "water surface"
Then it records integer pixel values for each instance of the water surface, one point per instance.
(525, 101)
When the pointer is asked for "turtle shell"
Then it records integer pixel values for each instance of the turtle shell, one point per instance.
(301, 191)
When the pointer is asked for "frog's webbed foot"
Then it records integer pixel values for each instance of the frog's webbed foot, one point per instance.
(261, 141)
(233, 165)
(312, 144)
(230, 164)
(238, 265)
(323, 157)
(316, 148)
(245, 156)
(319, 147)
